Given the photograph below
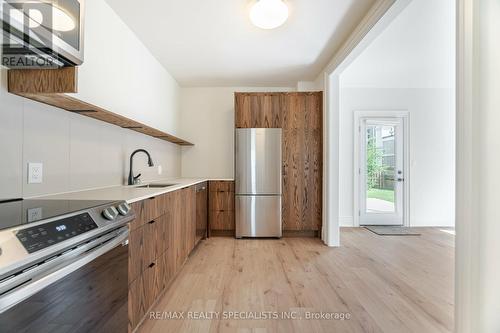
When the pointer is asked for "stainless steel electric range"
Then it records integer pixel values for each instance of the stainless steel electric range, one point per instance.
(63, 265)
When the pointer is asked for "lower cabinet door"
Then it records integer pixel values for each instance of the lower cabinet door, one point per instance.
(136, 302)
(169, 267)
(153, 279)
(137, 254)
(161, 271)
(222, 220)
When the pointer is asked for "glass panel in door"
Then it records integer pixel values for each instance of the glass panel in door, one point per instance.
(380, 168)
(381, 171)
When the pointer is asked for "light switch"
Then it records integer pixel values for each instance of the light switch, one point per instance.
(35, 173)
(160, 170)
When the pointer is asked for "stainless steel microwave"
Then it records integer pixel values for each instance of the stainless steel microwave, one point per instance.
(42, 33)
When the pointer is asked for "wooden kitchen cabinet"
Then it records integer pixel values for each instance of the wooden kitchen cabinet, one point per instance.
(136, 302)
(189, 214)
(147, 243)
(259, 110)
(221, 186)
(300, 116)
(146, 210)
(221, 207)
(161, 238)
(136, 254)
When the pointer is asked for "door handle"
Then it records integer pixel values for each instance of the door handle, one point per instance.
(400, 179)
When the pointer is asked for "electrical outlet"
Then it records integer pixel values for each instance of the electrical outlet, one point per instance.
(35, 173)
(160, 170)
(35, 214)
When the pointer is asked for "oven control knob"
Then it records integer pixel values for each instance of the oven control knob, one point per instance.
(123, 208)
(110, 213)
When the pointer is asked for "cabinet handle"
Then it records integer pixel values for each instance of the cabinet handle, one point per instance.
(151, 265)
(152, 198)
(151, 222)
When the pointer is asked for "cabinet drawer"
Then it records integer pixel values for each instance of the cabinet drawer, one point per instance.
(136, 254)
(221, 201)
(136, 302)
(166, 272)
(221, 186)
(144, 291)
(153, 280)
(148, 243)
(155, 238)
(147, 210)
(170, 265)
(222, 220)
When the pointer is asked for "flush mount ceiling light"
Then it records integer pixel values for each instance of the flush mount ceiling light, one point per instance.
(269, 14)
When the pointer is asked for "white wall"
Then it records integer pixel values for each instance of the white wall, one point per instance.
(207, 119)
(409, 66)
(78, 152)
(487, 143)
(417, 50)
(478, 214)
(432, 153)
(120, 74)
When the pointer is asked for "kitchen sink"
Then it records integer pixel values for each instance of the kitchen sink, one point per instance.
(155, 185)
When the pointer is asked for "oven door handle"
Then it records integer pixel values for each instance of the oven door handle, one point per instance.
(43, 278)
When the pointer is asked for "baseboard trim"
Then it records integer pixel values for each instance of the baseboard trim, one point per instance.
(222, 233)
(301, 233)
(286, 233)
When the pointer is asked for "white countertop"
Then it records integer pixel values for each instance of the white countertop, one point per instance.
(129, 194)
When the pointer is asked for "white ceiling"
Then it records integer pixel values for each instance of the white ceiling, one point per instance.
(417, 50)
(213, 43)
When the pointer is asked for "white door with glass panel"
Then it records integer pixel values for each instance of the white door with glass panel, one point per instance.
(381, 171)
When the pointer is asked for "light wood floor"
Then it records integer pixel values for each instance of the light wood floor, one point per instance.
(386, 284)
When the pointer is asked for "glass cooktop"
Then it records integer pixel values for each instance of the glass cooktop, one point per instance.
(18, 211)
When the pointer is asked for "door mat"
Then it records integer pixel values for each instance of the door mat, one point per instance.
(389, 230)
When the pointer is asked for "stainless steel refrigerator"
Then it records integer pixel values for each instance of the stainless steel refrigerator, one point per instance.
(258, 182)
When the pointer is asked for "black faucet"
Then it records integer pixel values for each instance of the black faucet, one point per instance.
(131, 178)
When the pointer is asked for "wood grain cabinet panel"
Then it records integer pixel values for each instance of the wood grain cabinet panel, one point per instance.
(177, 221)
(222, 220)
(150, 237)
(137, 304)
(302, 168)
(221, 205)
(152, 279)
(300, 115)
(50, 86)
(158, 247)
(258, 110)
(170, 264)
(189, 221)
(146, 211)
(221, 186)
(243, 116)
(221, 201)
(138, 208)
(163, 279)
(137, 254)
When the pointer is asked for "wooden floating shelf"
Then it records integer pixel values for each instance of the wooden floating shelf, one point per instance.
(52, 86)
